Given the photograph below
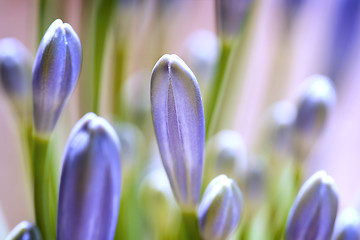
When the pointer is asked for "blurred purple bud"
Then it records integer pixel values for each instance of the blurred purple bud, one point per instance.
(347, 226)
(292, 8)
(90, 185)
(230, 15)
(24, 231)
(346, 27)
(15, 68)
(313, 213)
(220, 209)
(55, 74)
(317, 100)
(226, 154)
(179, 124)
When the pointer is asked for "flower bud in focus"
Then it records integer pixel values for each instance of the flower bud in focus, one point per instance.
(55, 74)
(90, 183)
(220, 209)
(178, 118)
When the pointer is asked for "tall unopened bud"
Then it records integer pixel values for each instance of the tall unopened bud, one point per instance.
(347, 226)
(179, 124)
(55, 74)
(230, 15)
(220, 209)
(313, 213)
(90, 185)
(314, 108)
(24, 231)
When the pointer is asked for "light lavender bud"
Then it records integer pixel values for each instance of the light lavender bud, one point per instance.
(220, 209)
(179, 124)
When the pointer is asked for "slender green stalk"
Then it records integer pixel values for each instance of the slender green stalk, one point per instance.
(102, 23)
(190, 226)
(119, 77)
(41, 20)
(45, 189)
(214, 100)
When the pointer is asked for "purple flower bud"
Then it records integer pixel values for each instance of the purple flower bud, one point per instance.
(347, 226)
(313, 213)
(55, 74)
(90, 185)
(230, 15)
(15, 68)
(345, 29)
(314, 108)
(179, 124)
(220, 209)
(24, 231)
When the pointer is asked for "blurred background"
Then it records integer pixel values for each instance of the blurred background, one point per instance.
(282, 43)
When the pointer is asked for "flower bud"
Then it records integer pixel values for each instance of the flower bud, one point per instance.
(90, 184)
(178, 118)
(347, 226)
(343, 39)
(314, 108)
(230, 16)
(226, 154)
(220, 209)
(55, 74)
(313, 213)
(24, 231)
(15, 69)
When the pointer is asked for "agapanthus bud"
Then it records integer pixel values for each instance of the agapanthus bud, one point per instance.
(220, 209)
(230, 15)
(15, 69)
(179, 124)
(343, 39)
(90, 184)
(315, 105)
(24, 231)
(226, 154)
(55, 74)
(347, 226)
(313, 213)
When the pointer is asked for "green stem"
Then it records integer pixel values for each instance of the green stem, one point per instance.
(104, 13)
(41, 20)
(45, 199)
(119, 78)
(214, 100)
(190, 226)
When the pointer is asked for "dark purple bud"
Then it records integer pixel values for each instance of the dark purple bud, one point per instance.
(24, 231)
(346, 26)
(15, 69)
(55, 74)
(90, 185)
(220, 209)
(317, 100)
(313, 213)
(230, 15)
(179, 124)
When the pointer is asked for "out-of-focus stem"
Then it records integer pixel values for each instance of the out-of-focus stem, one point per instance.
(214, 100)
(119, 78)
(41, 20)
(190, 226)
(102, 23)
(45, 193)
